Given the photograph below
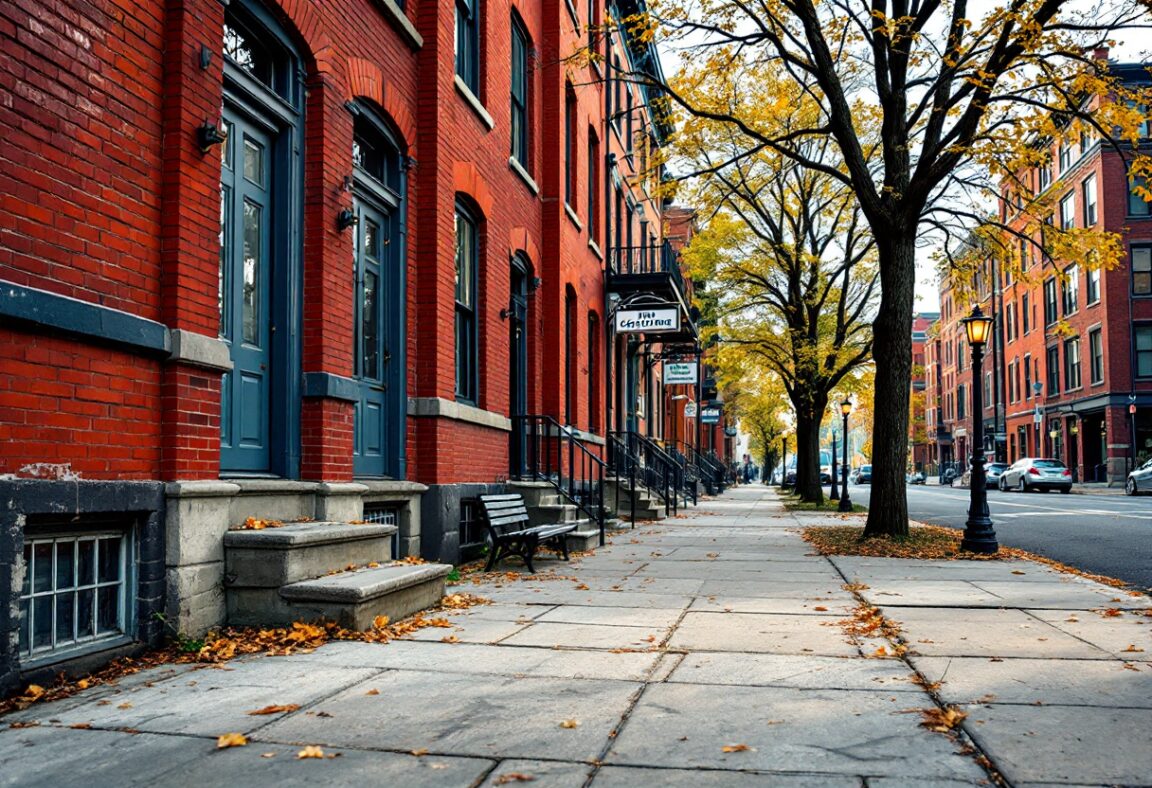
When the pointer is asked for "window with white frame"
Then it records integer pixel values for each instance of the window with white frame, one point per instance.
(1065, 156)
(468, 44)
(1096, 355)
(1092, 285)
(1070, 290)
(75, 591)
(1068, 211)
(1088, 188)
(1071, 364)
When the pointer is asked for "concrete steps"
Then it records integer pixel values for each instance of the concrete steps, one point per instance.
(301, 572)
(647, 507)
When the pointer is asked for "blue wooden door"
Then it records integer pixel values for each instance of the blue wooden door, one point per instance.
(246, 215)
(378, 436)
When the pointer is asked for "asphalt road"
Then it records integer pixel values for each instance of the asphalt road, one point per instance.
(1106, 534)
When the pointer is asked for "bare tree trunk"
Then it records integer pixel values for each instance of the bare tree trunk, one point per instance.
(892, 350)
(808, 460)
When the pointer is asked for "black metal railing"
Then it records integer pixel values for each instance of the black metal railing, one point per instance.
(547, 451)
(623, 467)
(655, 258)
(652, 467)
(685, 456)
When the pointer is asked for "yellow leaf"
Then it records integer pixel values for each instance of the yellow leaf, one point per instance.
(124, 705)
(450, 639)
(372, 692)
(287, 707)
(380, 622)
(420, 753)
(226, 740)
(513, 777)
(311, 751)
(735, 748)
(33, 692)
(82, 684)
(569, 724)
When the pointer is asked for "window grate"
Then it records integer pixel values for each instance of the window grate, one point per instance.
(473, 536)
(385, 514)
(74, 591)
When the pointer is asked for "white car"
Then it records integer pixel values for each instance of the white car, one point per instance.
(1139, 480)
(1035, 473)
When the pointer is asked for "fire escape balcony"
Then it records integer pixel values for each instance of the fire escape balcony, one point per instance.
(650, 275)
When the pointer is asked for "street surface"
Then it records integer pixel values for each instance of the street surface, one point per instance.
(1106, 534)
(710, 649)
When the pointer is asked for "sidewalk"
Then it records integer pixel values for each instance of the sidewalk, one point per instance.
(640, 664)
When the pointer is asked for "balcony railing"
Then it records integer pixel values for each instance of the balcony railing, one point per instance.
(648, 259)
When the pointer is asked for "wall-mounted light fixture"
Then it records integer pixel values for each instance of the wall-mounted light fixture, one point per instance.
(346, 218)
(209, 134)
(205, 57)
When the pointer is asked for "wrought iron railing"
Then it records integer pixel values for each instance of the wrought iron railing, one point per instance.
(652, 258)
(623, 468)
(653, 467)
(547, 451)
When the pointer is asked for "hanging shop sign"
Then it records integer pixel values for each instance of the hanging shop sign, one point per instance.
(710, 416)
(680, 372)
(647, 321)
(690, 410)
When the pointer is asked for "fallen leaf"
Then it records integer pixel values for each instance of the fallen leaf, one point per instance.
(1112, 612)
(420, 753)
(81, 726)
(124, 705)
(311, 751)
(1018, 572)
(735, 748)
(569, 724)
(284, 709)
(226, 740)
(1132, 649)
(82, 684)
(513, 777)
(380, 622)
(18, 725)
(582, 587)
(820, 608)
(942, 720)
(372, 692)
(450, 639)
(267, 755)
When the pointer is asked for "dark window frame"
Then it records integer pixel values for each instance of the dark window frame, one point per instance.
(467, 53)
(593, 218)
(467, 311)
(1073, 377)
(1096, 356)
(520, 94)
(1052, 359)
(571, 140)
(1144, 270)
(1138, 353)
(1051, 302)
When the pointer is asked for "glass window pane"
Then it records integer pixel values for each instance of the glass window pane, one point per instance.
(226, 157)
(369, 334)
(65, 618)
(65, 564)
(110, 559)
(254, 161)
(85, 608)
(1142, 283)
(253, 252)
(25, 619)
(42, 622)
(372, 240)
(41, 567)
(223, 282)
(26, 586)
(87, 564)
(108, 609)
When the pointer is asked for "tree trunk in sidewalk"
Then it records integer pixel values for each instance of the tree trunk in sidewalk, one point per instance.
(808, 460)
(892, 351)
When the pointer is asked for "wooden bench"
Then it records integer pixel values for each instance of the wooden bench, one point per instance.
(506, 518)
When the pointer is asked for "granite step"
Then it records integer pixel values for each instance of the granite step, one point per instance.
(353, 598)
(272, 557)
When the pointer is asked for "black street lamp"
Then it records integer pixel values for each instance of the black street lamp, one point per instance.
(834, 493)
(783, 461)
(979, 537)
(845, 501)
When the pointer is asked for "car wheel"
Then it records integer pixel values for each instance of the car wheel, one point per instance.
(1001, 486)
(1022, 486)
(1130, 487)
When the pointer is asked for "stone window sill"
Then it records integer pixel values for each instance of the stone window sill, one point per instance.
(518, 168)
(473, 102)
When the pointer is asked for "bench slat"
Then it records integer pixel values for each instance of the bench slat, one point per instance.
(500, 521)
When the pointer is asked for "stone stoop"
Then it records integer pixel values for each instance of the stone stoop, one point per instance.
(646, 506)
(298, 572)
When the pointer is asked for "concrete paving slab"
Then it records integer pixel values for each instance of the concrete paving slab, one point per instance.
(771, 587)
(1050, 681)
(49, 757)
(930, 593)
(833, 604)
(711, 570)
(1063, 596)
(789, 730)
(565, 596)
(471, 631)
(210, 702)
(631, 776)
(765, 633)
(541, 774)
(1125, 636)
(497, 612)
(486, 659)
(786, 670)
(446, 713)
(559, 635)
(613, 616)
(988, 633)
(646, 584)
(865, 567)
(1065, 744)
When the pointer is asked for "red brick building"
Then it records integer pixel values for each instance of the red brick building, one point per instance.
(919, 442)
(1071, 366)
(303, 259)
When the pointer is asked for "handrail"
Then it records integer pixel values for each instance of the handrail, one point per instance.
(623, 463)
(548, 445)
(650, 258)
(655, 469)
(683, 453)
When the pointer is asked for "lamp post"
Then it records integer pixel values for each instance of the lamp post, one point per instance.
(783, 461)
(979, 537)
(845, 500)
(834, 493)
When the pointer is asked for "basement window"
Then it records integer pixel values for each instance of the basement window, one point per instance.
(75, 592)
(385, 514)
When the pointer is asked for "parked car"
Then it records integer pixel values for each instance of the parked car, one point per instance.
(1034, 473)
(916, 478)
(864, 475)
(1139, 480)
(992, 472)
